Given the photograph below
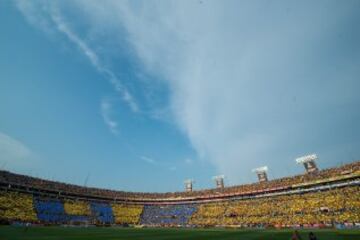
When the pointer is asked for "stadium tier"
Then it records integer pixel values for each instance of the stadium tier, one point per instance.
(177, 215)
(325, 198)
(127, 213)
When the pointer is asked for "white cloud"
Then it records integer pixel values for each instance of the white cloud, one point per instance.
(14, 153)
(188, 161)
(245, 77)
(148, 160)
(47, 15)
(106, 111)
(234, 68)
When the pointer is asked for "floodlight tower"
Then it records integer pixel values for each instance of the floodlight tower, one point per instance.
(309, 162)
(261, 173)
(189, 185)
(219, 181)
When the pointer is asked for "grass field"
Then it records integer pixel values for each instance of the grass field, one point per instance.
(61, 233)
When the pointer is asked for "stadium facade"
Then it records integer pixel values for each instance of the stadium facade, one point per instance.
(325, 198)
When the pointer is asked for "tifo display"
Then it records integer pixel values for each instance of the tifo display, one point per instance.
(324, 199)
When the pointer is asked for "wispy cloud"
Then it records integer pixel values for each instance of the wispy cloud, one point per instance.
(188, 161)
(34, 12)
(246, 79)
(234, 68)
(163, 165)
(148, 160)
(13, 153)
(106, 111)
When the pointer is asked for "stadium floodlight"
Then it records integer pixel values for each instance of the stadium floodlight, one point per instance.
(218, 177)
(189, 185)
(219, 181)
(189, 181)
(260, 169)
(307, 158)
(261, 173)
(309, 162)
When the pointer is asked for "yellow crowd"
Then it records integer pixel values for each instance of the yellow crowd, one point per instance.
(339, 205)
(127, 214)
(326, 207)
(16, 206)
(80, 208)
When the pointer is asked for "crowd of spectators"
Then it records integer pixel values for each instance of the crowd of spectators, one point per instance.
(102, 212)
(70, 211)
(127, 214)
(327, 208)
(79, 208)
(16, 207)
(50, 211)
(169, 215)
(25, 207)
(12, 178)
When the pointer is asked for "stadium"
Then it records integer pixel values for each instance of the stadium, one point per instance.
(318, 199)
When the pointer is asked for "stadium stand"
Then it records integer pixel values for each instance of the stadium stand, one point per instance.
(209, 214)
(102, 212)
(323, 175)
(16, 206)
(50, 211)
(54, 211)
(329, 197)
(79, 208)
(169, 215)
(333, 206)
(127, 214)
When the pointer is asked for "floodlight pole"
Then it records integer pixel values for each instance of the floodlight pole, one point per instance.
(219, 181)
(309, 163)
(189, 185)
(261, 173)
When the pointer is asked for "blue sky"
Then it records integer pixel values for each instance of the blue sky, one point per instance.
(141, 95)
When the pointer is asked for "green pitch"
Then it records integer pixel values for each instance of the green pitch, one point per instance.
(93, 233)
